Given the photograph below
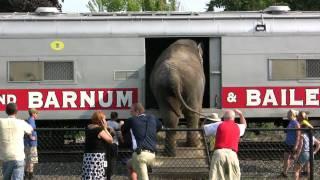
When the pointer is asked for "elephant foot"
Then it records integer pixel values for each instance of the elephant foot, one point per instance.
(193, 139)
(170, 153)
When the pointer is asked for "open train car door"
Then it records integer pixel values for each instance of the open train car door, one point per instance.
(215, 72)
(155, 46)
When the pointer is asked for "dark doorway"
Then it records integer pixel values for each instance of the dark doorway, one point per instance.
(155, 46)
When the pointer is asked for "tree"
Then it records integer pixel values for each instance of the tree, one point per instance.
(255, 5)
(95, 6)
(131, 5)
(26, 5)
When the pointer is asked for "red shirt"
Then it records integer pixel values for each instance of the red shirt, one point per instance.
(228, 135)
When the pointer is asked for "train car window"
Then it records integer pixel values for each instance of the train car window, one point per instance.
(313, 68)
(26, 71)
(294, 69)
(124, 75)
(58, 71)
(21, 71)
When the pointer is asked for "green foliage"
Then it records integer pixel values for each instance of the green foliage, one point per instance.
(255, 5)
(131, 5)
(115, 5)
(95, 6)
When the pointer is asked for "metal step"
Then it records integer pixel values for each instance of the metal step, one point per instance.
(191, 152)
(180, 163)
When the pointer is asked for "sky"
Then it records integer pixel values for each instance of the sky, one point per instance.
(75, 6)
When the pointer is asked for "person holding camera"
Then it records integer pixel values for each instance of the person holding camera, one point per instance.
(97, 137)
(144, 128)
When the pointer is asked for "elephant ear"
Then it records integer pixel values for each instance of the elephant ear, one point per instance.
(200, 51)
(200, 45)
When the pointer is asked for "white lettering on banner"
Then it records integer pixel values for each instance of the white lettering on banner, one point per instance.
(108, 103)
(11, 98)
(311, 97)
(253, 97)
(7, 98)
(283, 97)
(293, 101)
(52, 100)
(85, 98)
(69, 97)
(35, 100)
(79, 99)
(270, 98)
(124, 98)
(3, 99)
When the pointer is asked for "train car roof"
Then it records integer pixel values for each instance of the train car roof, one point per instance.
(158, 23)
(158, 15)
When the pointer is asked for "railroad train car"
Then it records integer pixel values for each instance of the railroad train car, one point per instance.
(68, 65)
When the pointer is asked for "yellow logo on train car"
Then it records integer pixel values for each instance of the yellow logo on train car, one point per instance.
(57, 45)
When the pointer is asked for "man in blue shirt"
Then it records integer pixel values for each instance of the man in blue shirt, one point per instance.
(144, 128)
(30, 143)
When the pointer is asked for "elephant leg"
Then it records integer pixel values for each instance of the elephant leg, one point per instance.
(170, 121)
(193, 139)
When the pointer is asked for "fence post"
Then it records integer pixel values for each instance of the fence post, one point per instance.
(206, 146)
(311, 152)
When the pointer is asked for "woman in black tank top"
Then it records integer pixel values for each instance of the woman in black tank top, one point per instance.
(97, 136)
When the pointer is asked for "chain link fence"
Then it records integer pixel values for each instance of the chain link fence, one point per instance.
(260, 153)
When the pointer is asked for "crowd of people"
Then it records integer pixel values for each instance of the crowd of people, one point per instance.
(103, 138)
(18, 138)
(225, 164)
(298, 144)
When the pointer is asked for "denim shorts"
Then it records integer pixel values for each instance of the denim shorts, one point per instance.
(13, 169)
(303, 158)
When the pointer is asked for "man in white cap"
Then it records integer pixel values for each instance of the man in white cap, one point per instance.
(225, 163)
(213, 118)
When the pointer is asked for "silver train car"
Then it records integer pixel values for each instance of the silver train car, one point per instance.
(68, 65)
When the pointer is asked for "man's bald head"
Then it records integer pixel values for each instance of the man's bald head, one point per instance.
(229, 114)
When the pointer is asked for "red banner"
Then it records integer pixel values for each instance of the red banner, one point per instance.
(70, 99)
(270, 97)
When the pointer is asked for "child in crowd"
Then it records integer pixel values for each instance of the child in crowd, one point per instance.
(303, 155)
(31, 143)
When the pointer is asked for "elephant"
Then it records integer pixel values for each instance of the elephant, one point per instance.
(177, 82)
